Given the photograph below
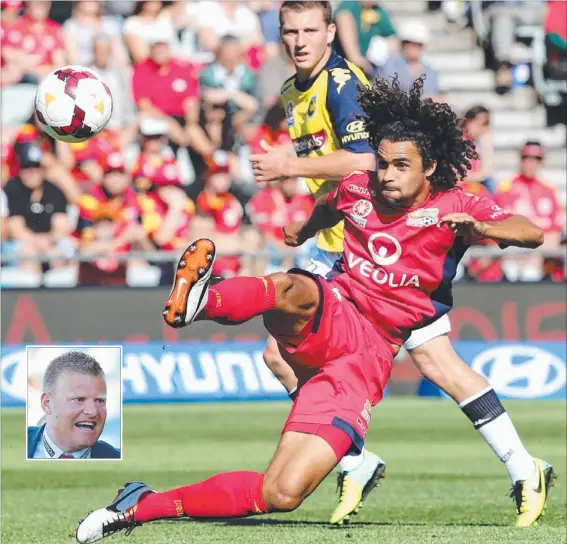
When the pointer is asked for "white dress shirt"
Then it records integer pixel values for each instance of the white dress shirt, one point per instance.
(47, 449)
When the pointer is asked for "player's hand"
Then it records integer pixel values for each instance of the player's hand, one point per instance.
(462, 224)
(270, 166)
(294, 234)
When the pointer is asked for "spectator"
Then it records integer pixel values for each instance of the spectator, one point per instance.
(268, 14)
(273, 131)
(527, 194)
(33, 45)
(109, 224)
(227, 212)
(217, 19)
(38, 221)
(273, 208)
(143, 26)
(123, 118)
(476, 127)
(168, 89)
(555, 26)
(182, 16)
(86, 160)
(166, 209)
(229, 84)
(271, 75)
(408, 64)
(365, 34)
(86, 22)
(504, 18)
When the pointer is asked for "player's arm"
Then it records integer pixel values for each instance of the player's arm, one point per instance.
(323, 216)
(514, 230)
(333, 166)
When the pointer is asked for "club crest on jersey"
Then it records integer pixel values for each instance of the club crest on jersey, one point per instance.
(289, 114)
(425, 217)
(360, 210)
(311, 107)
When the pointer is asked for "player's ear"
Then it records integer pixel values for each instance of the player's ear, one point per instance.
(331, 31)
(430, 169)
(46, 403)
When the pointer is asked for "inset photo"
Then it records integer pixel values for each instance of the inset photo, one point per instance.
(74, 402)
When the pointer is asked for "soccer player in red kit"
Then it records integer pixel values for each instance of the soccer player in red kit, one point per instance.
(406, 227)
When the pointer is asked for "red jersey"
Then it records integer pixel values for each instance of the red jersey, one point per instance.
(166, 87)
(271, 137)
(95, 149)
(154, 210)
(227, 212)
(98, 205)
(155, 170)
(270, 211)
(534, 199)
(37, 40)
(398, 266)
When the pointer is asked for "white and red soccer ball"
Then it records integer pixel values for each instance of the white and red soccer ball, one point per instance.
(73, 104)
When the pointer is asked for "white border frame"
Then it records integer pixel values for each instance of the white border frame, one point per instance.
(70, 347)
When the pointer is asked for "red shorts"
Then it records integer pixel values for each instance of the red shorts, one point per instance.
(350, 363)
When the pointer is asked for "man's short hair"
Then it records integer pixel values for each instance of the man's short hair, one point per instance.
(72, 361)
(299, 6)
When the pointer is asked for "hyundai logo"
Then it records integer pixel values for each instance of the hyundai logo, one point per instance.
(524, 372)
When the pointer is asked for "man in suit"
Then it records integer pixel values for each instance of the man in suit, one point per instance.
(74, 402)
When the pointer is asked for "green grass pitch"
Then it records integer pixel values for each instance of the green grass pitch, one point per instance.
(443, 486)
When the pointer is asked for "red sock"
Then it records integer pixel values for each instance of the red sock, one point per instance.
(233, 494)
(237, 300)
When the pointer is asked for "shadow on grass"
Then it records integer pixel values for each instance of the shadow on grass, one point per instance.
(267, 522)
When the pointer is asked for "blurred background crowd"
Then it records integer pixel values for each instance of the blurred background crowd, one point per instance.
(196, 89)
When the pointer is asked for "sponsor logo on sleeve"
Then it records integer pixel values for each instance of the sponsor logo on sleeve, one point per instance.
(356, 131)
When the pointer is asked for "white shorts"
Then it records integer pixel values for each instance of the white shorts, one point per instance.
(322, 262)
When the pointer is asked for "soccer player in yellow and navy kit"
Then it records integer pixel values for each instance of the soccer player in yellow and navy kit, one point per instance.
(331, 142)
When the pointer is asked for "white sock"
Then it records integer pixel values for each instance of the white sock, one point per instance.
(491, 420)
(351, 462)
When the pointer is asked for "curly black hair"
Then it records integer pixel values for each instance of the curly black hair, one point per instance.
(394, 114)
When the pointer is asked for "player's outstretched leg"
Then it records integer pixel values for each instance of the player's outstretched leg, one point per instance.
(300, 464)
(531, 478)
(359, 473)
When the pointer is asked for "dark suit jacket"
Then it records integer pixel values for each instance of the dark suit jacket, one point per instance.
(100, 450)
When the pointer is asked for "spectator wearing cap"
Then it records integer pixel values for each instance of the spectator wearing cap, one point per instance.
(408, 63)
(87, 21)
(38, 221)
(527, 194)
(227, 212)
(123, 118)
(143, 26)
(365, 34)
(166, 209)
(228, 84)
(109, 224)
(167, 89)
(476, 127)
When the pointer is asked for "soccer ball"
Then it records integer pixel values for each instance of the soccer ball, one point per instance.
(73, 104)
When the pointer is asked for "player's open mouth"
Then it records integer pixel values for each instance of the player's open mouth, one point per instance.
(86, 425)
(302, 55)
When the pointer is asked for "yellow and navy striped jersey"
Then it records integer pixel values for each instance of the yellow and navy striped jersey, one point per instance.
(322, 117)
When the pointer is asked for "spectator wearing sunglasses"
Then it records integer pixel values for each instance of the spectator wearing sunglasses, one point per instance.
(527, 194)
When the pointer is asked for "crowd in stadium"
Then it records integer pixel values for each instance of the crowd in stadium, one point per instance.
(196, 89)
